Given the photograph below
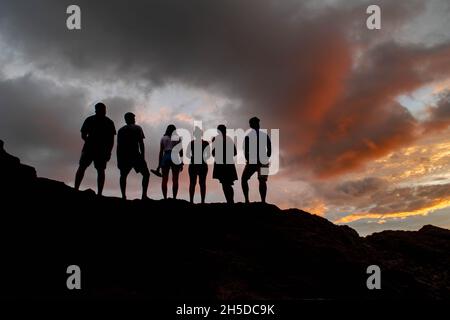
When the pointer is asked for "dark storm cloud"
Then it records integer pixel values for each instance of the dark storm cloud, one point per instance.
(40, 122)
(357, 194)
(290, 62)
(38, 118)
(117, 107)
(357, 188)
(439, 116)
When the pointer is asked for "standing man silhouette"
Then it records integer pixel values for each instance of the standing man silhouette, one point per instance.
(224, 170)
(257, 151)
(198, 151)
(131, 154)
(98, 133)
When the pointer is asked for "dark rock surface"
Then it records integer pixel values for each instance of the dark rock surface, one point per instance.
(175, 250)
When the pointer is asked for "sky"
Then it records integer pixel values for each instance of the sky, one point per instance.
(362, 114)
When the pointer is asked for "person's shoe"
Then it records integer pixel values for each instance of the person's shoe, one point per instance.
(145, 198)
(156, 172)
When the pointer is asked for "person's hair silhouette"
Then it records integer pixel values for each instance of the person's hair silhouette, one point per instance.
(198, 151)
(131, 154)
(257, 151)
(98, 133)
(169, 160)
(224, 151)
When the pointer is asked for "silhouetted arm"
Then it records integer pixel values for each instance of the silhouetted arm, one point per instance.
(269, 147)
(246, 146)
(161, 148)
(141, 142)
(85, 130)
(142, 148)
(111, 139)
(111, 144)
(181, 151)
(181, 157)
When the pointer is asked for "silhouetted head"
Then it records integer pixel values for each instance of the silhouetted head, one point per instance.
(222, 129)
(130, 118)
(170, 129)
(100, 109)
(198, 133)
(254, 123)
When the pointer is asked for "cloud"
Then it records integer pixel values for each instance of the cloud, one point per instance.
(405, 202)
(309, 68)
(37, 120)
(40, 122)
(295, 58)
(439, 115)
(361, 187)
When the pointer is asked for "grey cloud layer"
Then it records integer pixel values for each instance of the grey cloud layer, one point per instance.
(292, 63)
(285, 60)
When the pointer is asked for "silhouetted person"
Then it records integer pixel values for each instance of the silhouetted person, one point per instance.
(167, 163)
(198, 151)
(224, 151)
(257, 151)
(98, 133)
(131, 154)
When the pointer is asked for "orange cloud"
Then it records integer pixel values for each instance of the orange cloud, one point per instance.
(435, 205)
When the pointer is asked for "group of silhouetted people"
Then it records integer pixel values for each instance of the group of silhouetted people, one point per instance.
(98, 133)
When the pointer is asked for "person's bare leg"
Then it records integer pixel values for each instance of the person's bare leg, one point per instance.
(165, 179)
(79, 177)
(231, 193)
(228, 192)
(263, 190)
(203, 189)
(123, 184)
(192, 184)
(175, 174)
(145, 181)
(244, 184)
(100, 181)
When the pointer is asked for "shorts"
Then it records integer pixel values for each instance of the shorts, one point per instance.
(250, 169)
(88, 157)
(138, 164)
(166, 161)
(198, 170)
